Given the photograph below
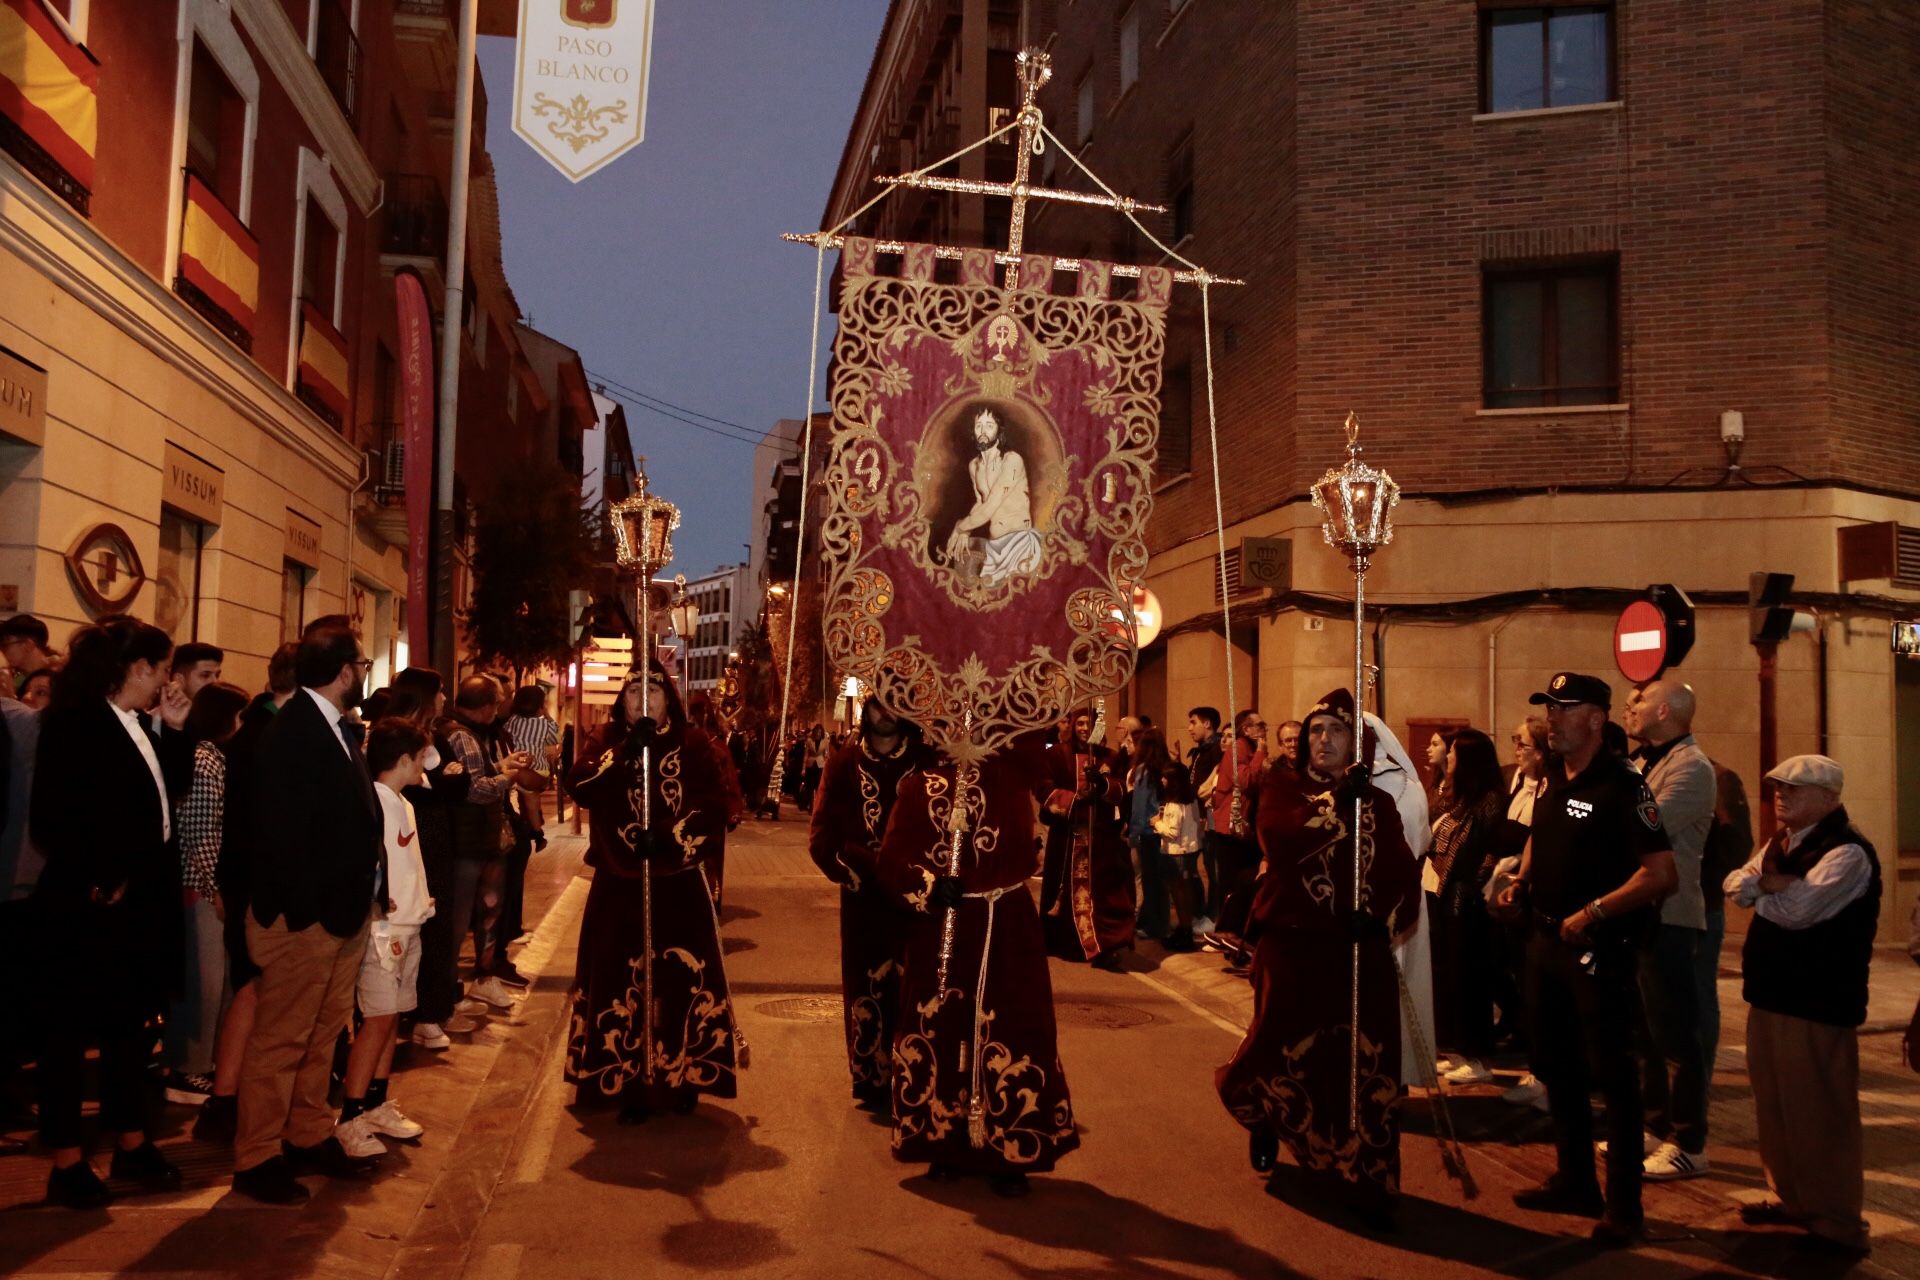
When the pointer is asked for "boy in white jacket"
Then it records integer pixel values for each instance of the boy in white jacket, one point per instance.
(391, 965)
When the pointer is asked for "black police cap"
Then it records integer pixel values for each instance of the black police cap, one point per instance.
(1570, 688)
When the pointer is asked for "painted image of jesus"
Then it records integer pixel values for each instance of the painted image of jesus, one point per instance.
(995, 538)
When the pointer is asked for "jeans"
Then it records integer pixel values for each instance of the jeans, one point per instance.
(193, 1021)
(1584, 1024)
(1676, 1107)
(513, 896)
(1150, 885)
(1706, 968)
(453, 882)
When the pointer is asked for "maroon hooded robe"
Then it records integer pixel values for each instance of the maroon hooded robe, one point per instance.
(690, 1041)
(857, 794)
(1290, 1076)
(977, 1084)
(1086, 886)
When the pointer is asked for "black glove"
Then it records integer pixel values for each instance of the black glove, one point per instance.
(1362, 927)
(1354, 783)
(947, 891)
(639, 735)
(643, 845)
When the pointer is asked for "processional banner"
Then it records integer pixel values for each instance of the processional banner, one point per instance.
(988, 488)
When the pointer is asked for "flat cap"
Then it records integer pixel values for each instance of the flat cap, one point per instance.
(1810, 771)
(1570, 688)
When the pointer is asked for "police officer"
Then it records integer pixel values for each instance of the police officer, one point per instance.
(1595, 865)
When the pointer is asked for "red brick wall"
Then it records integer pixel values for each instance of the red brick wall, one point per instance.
(1748, 186)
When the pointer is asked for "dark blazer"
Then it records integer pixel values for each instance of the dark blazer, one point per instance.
(316, 824)
(97, 821)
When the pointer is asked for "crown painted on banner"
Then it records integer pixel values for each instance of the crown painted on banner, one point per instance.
(998, 383)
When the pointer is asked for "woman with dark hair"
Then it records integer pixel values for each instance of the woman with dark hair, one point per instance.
(1180, 827)
(1149, 761)
(109, 898)
(653, 1021)
(442, 1010)
(193, 1022)
(1466, 838)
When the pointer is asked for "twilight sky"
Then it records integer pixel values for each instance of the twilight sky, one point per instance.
(666, 269)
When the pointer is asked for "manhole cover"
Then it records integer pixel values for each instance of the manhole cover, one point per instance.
(803, 1009)
(1101, 1017)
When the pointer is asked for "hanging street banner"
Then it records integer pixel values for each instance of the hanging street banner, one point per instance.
(580, 80)
(988, 489)
(417, 445)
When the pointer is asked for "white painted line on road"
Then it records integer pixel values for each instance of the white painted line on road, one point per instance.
(498, 1262)
(1191, 1005)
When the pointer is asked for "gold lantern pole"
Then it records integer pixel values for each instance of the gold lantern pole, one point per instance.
(1357, 501)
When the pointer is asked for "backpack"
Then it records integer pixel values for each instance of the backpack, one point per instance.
(1730, 838)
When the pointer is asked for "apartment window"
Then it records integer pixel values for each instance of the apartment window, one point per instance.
(1129, 47)
(293, 599)
(1545, 56)
(176, 608)
(216, 129)
(1180, 187)
(1552, 336)
(320, 260)
(1083, 109)
(1175, 456)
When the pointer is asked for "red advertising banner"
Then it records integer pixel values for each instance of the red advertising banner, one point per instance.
(416, 404)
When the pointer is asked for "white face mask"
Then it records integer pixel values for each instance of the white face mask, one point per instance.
(431, 760)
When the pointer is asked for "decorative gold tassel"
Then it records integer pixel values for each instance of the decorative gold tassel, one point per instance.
(976, 1122)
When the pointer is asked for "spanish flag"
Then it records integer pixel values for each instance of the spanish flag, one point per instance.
(323, 360)
(47, 87)
(218, 256)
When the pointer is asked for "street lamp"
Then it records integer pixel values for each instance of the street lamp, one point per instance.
(685, 614)
(1357, 501)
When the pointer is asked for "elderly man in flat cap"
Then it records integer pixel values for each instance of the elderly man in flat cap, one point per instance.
(1815, 893)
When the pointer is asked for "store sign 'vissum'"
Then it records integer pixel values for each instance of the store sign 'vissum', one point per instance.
(580, 85)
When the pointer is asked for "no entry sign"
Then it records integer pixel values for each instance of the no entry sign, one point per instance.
(1640, 641)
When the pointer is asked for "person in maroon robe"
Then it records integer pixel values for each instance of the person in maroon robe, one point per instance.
(706, 717)
(1086, 886)
(653, 1023)
(856, 795)
(977, 1084)
(1289, 1081)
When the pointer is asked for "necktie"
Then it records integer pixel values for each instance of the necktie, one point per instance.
(353, 731)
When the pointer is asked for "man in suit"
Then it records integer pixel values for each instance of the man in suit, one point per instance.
(317, 841)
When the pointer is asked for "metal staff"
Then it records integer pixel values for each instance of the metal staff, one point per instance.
(1358, 502)
(964, 779)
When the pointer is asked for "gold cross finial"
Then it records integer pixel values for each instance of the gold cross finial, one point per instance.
(1353, 431)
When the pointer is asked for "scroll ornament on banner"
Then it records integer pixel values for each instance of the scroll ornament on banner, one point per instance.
(988, 488)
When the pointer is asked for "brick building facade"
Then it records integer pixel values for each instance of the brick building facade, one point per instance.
(1542, 250)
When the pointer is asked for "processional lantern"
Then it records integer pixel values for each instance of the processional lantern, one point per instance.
(1357, 502)
(643, 528)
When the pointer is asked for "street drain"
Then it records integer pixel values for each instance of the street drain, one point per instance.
(803, 1009)
(1101, 1017)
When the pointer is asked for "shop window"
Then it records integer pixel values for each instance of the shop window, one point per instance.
(1551, 336)
(176, 607)
(216, 129)
(293, 599)
(1545, 56)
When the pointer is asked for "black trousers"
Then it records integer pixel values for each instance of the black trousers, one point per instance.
(119, 1028)
(1463, 964)
(1584, 1008)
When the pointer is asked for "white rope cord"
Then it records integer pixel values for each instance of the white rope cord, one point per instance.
(806, 446)
(1232, 756)
(800, 524)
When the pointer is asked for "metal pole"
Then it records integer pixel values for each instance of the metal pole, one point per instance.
(1359, 758)
(450, 341)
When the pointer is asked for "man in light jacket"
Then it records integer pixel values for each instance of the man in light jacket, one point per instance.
(1659, 716)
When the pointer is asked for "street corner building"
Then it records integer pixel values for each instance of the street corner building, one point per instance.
(203, 375)
(1618, 300)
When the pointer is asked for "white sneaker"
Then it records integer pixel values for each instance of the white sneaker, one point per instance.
(1447, 1062)
(493, 991)
(470, 1005)
(1669, 1164)
(1470, 1071)
(1203, 924)
(386, 1119)
(1648, 1145)
(460, 1024)
(357, 1137)
(1529, 1092)
(430, 1035)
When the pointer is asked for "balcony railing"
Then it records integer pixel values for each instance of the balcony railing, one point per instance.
(414, 221)
(337, 53)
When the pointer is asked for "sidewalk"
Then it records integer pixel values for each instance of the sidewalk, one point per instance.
(348, 1229)
(1520, 1138)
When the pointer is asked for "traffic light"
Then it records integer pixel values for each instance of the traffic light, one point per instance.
(1770, 618)
(1677, 609)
